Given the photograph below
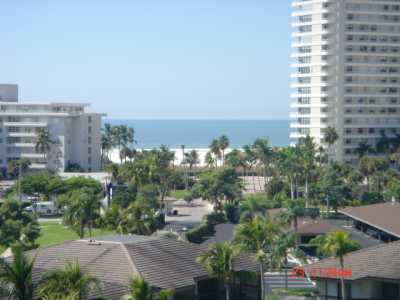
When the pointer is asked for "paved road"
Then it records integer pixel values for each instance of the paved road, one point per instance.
(189, 215)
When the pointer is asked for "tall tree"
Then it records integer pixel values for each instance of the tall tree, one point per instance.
(17, 225)
(251, 207)
(293, 210)
(308, 151)
(363, 149)
(281, 246)
(264, 155)
(69, 282)
(15, 167)
(107, 142)
(336, 244)
(256, 237)
(43, 142)
(288, 162)
(370, 166)
(82, 208)
(17, 275)
(330, 135)
(219, 185)
(223, 145)
(215, 149)
(218, 260)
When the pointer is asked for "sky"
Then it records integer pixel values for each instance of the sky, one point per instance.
(151, 59)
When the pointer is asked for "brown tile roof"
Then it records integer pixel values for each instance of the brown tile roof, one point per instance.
(114, 260)
(384, 216)
(381, 261)
(314, 227)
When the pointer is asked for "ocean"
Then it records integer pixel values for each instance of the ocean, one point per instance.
(198, 134)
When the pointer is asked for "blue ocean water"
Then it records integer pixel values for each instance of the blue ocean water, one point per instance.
(199, 133)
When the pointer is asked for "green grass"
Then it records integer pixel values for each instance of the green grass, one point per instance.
(53, 232)
(179, 194)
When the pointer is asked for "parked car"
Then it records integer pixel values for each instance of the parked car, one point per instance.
(43, 208)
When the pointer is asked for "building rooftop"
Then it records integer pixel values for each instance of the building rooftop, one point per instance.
(381, 261)
(114, 260)
(383, 216)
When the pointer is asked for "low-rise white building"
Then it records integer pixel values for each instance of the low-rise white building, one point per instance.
(75, 133)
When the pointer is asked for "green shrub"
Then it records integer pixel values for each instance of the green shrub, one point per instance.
(232, 213)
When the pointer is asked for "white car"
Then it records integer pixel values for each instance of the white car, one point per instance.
(43, 208)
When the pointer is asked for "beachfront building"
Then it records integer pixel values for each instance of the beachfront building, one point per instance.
(75, 134)
(346, 71)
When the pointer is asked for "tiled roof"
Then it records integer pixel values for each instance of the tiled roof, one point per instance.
(114, 260)
(381, 261)
(314, 227)
(384, 216)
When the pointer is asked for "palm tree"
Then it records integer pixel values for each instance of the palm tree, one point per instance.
(69, 282)
(223, 145)
(308, 151)
(256, 237)
(218, 260)
(215, 149)
(250, 160)
(209, 159)
(140, 290)
(107, 141)
(336, 244)
(264, 154)
(43, 142)
(330, 135)
(82, 209)
(288, 162)
(252, 206)
(363, 149)
(192, 158)
(17, 275)
(293, 209)
(370, 166)
(282, 244)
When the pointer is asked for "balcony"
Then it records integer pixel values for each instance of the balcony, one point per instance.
(25, 124)
(21, 134)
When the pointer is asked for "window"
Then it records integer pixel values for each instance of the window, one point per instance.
(89, 160)
(89, 140)
(89, 119)
(89, 150)
(90, 129)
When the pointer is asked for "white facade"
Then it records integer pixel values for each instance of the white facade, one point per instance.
(76, 134)
(346, 64)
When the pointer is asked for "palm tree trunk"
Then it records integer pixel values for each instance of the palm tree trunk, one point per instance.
(262, 280)
(291, 189)
(228, 291)
(286, 273)
(306, 190)
(342, 279)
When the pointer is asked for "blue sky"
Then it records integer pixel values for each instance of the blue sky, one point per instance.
(149, 59)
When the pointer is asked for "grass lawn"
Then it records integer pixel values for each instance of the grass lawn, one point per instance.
(53, 232)
(179, 194)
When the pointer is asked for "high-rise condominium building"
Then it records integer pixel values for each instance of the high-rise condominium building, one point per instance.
(74, 134)
(347, 71)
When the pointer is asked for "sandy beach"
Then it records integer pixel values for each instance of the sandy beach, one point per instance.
(178, 154)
